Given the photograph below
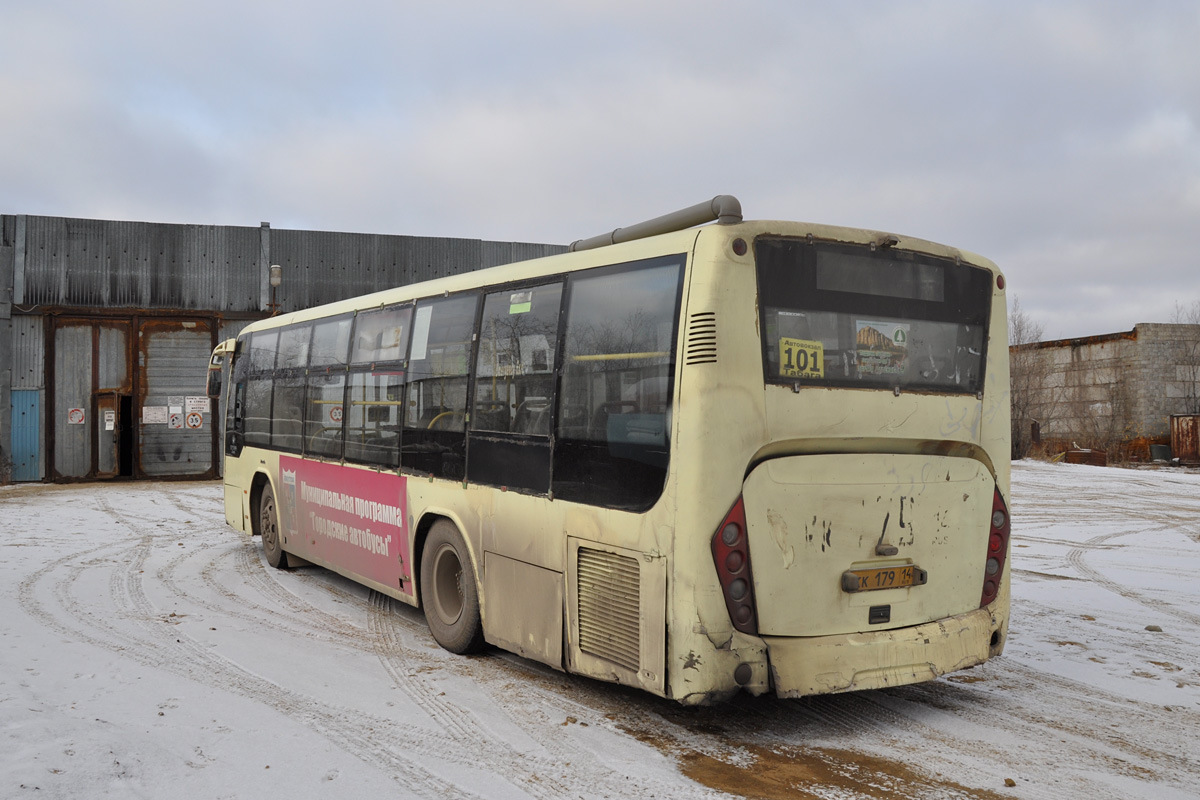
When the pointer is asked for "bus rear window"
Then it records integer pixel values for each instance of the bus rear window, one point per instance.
(849, 316)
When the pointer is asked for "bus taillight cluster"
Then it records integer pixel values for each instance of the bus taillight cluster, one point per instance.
(731, 554)
(997, 550)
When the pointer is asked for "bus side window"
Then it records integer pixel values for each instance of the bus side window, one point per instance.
(435, 410)
(287, 404)
(375, 390)
(326, 392)
(235, 412)
(514, 378)
(259, 383)
(611, 443)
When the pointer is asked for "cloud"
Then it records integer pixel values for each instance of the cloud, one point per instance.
(1059, 139)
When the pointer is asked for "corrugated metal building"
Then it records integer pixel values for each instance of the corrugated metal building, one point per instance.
(106, 328)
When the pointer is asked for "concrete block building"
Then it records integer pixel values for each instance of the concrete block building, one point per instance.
(1117, 390)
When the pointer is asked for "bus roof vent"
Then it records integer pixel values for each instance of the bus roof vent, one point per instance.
(724, 208)
(701, 347)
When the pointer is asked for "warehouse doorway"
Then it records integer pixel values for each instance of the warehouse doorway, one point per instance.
(127, 398)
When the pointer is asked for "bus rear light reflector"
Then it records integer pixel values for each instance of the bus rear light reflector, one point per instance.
(731, 556)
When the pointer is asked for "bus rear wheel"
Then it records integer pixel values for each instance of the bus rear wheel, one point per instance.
(268, 526)
(450, 597)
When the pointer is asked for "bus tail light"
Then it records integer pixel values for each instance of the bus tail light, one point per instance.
(731, 554)
(997, 550)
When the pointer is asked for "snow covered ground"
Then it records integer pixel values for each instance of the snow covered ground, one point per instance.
(147, 651)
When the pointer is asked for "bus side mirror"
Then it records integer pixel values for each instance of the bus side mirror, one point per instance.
(213, 386)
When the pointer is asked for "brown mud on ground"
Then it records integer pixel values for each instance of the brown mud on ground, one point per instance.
(807, 773)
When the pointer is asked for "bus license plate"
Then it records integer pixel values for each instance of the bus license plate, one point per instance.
(869, 580)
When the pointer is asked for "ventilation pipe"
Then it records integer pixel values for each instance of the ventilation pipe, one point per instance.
(724, 208)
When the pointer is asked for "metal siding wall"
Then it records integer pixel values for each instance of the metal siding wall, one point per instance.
(72, 389)
(107, 264)
(495, 254)
(112, 264)
(26, 435)
(175, 359)
(230, 328)
(321, 267)
(8, 257)
(29, 353)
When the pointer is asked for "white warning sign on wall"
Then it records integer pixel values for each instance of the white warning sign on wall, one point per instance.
(75, 416)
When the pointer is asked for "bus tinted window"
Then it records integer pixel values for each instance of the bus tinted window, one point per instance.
(374, 405)
(846, 315)
(287, 406)
(381, 335)
(293, 347)
(262, 350)
(257, 419)
(514, 376)
(436, 410)
(618, 367)
(323, 413)
(330, 342)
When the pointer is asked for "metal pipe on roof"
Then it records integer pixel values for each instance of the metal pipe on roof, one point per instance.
(724, 208)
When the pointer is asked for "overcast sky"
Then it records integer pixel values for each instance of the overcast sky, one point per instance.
(1060, 139)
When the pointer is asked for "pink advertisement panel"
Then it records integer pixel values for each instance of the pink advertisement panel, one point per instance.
(354, 518)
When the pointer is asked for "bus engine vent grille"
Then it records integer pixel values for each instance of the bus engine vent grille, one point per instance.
(701, 338)
(609, 607)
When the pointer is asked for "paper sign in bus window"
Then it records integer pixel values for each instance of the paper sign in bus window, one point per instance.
(882, 347)
(420, 341)
(801, 358)
(520, 302)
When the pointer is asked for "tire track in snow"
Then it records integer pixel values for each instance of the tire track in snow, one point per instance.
(156, 644)
(1077, 558)
(565, 765)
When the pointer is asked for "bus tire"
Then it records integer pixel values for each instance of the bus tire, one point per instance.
(450, 597)
(268, 525)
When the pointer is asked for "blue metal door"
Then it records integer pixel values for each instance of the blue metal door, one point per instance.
(25, 435)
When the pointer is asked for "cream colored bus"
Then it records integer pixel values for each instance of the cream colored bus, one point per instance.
(692, 458)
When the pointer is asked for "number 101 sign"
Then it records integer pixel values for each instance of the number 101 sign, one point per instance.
(800, 358)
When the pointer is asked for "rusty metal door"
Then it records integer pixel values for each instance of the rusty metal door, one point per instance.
(114, 379)
(176, 436)
(72, 419)
(107, 438)
(1185, 437)
(91, 371)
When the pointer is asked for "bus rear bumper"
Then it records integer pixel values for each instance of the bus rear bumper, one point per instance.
(828, 664)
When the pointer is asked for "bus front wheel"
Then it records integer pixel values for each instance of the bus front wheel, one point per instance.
(448, 589)
(268, 526)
